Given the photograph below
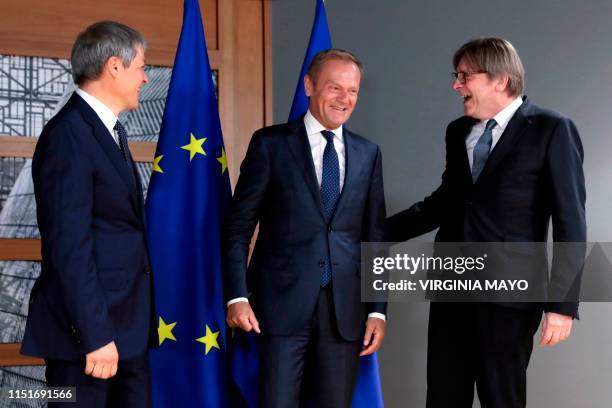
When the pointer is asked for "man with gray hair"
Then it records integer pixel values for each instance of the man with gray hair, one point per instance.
(511, 167)
(91, 309)
(316, 190)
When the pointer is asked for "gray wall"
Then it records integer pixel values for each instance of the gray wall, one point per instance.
(405, 103)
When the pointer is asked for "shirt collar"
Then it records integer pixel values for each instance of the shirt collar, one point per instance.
(313, 126)
(105, 114)
(503, 117)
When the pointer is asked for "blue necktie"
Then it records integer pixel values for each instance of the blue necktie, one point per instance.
(482, 149)
(330, 191)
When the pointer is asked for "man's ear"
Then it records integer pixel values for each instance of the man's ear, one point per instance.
(308, 85)
(113, 66)
(502, 82)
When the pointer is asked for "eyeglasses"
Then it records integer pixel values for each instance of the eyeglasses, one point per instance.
(463, 76)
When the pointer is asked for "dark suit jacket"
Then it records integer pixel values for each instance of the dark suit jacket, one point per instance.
(533, 174)
(95, 281)
(278, 188)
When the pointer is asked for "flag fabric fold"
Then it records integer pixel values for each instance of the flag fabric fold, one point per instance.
(320, 40)
(188, 193)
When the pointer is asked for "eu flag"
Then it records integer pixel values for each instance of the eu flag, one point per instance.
(188, 193)
(319, 41)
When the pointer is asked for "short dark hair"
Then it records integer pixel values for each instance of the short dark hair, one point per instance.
(495, 56)
(331, 54)
(100, 41)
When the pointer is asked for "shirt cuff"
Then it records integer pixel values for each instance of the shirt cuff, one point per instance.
(378, 316)
(236, 300)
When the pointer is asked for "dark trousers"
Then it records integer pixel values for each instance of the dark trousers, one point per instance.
(481, 343)
(313, 368)
(130, 387)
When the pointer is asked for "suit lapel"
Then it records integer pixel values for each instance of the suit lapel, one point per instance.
(108, 145)
(464, 131)
(300, 150)
(516, 127)
(139, 192)
(351, 160)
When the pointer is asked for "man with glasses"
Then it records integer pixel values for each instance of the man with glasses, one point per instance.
(511, 167)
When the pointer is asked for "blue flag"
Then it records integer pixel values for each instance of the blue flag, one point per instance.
(319, 41)
(368, 393)
(188, 193)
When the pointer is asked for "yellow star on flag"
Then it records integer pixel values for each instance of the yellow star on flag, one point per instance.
(156, 166)
(223, 161)
(165, 331)
(210, 340)
(195, 146)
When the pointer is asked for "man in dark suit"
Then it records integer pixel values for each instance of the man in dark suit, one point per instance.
(511, 167)
(316, 190)
(90, 309)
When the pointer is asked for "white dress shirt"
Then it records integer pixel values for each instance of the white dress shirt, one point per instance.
(317, 146)
(105, 114)
(502, 119)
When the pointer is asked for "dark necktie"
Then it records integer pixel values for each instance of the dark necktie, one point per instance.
(125, 151)
(482, 149)
(123, 144)
(330, 191)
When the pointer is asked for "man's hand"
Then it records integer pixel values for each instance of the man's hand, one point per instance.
(555, 328)
(102, 363)
(241, 315)
(374, 334)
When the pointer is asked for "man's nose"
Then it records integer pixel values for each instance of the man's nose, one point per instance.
(456, 84)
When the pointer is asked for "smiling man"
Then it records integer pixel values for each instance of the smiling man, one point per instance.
(91, 308)
(511, 167)
(316, 190)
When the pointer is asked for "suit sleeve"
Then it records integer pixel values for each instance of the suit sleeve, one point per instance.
(423, 216)
(65, 218)
(374, 230)
(564, 159)
(243, 216)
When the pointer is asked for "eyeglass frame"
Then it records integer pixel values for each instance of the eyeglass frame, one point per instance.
(457, 75)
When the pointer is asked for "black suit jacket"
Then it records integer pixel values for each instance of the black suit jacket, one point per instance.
(95, 284)
(278, 188)
(533, 174)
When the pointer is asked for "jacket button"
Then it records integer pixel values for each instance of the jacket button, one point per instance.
(321, 264)
(147, 269)
(329, 229)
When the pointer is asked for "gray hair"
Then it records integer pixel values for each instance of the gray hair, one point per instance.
(100, 41)
(331, 54)
(495, 56)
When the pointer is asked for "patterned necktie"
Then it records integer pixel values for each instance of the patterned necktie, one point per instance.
(125, 150)
(482, 149)
(330, 191)
(123, 144)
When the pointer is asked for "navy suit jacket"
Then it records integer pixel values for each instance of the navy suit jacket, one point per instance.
(534, 174)
(278, 188)
(95, 284)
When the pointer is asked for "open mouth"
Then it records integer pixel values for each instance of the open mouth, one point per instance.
(466, 98)
(339, 108)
